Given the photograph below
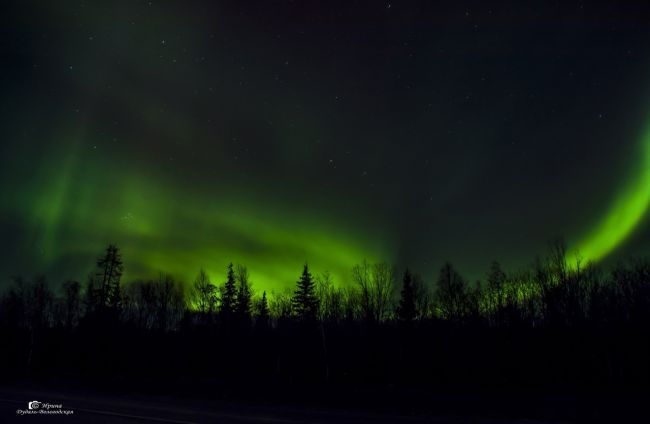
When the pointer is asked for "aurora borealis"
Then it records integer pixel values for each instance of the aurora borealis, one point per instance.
(193, 134)
(625, 213)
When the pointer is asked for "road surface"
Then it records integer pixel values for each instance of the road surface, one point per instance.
(98, 409)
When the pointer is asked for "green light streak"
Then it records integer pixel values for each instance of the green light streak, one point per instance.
(73, 209)
(624, 215)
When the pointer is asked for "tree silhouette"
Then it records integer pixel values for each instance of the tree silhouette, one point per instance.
(530, 313)
(422, 298)
(104, 290)
(262, 312)
(39, 303)
(330, 308)
(451, 293)
(406, 308)
(375, 285)
(139, 304)
(111, 269)
(170, 302)
(71, 303)
(14, 305)
(205, 294)
(305, 301)
(244, 295)
(495, 294)
(229, 295)
(281, 305)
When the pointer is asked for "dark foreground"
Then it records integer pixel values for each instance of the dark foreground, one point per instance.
(98, 408)
(112, 407)
(549, 345)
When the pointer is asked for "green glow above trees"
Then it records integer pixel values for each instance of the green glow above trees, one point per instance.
(73, 209)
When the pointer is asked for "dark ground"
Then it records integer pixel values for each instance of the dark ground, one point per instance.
(101, 408)
(578, 351)
(488, 407)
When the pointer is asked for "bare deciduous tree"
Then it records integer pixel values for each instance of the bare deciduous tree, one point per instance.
(375, 283)
(451, 293)
(244, 297)
(330, 297)
(205, 294)
(423, 298)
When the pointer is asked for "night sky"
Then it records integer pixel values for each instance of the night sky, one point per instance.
(272, 133)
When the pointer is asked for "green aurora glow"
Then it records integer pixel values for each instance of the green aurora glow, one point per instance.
(194, 138)
(169, 229)
(624, 214)
(163, 228)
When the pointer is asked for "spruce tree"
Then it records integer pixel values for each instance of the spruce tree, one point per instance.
(406, 309)
(305, 301)
(108, 278)
(229, 294)
(262, 313)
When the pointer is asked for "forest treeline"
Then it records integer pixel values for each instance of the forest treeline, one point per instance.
(554, 323)
(552, 292)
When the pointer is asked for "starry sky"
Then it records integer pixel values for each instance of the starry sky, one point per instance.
(193, 134)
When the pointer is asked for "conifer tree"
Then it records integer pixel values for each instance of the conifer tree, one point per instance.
(262, 312)
(108, 278)
(229, 294)
(406, 309)
(305, 301)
